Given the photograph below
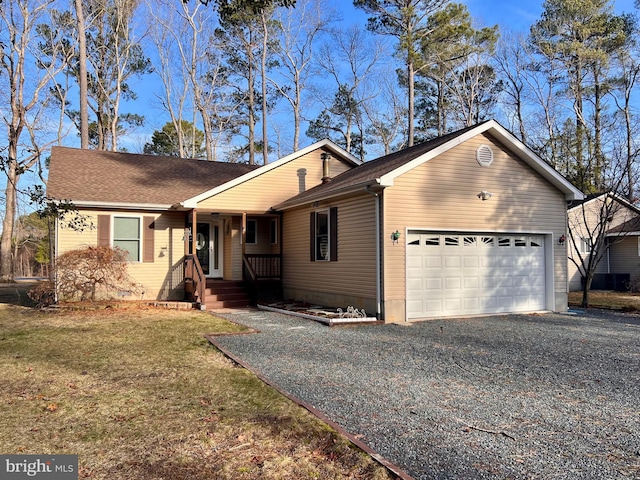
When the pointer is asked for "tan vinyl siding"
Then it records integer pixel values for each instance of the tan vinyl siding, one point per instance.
(261, 193)
(350, 279)
(160, 279)
(441, 194)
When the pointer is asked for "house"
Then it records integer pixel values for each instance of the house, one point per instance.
(611, 224)
(465, 224)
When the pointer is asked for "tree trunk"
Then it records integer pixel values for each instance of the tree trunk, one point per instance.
(6, 260)
(410, 81)
(82, 43)
(586, 288)
(265, 39)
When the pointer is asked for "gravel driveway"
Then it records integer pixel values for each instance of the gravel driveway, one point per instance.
(517, 396)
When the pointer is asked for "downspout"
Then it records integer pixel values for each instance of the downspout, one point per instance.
(378, 253)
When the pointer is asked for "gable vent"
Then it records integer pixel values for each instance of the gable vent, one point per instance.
(484, 155)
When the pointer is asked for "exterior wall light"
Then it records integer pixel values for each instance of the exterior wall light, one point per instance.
(484, 195)
(395, 236)
(562, 239)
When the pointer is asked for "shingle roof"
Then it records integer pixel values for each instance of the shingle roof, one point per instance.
(113, 177)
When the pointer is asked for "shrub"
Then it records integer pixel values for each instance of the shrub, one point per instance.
(43, 294)
(89, 272)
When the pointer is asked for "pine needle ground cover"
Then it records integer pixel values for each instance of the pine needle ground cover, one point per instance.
(139, 393)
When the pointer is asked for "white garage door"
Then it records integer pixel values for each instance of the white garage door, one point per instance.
(470, 273)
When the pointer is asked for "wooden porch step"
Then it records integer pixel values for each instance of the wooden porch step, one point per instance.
(226, 294)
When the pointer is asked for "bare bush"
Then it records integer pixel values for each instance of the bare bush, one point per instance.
(43, 294)
(92, 272)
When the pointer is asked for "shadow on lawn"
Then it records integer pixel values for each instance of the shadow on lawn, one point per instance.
(16, 293)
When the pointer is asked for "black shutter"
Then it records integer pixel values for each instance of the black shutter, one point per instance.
(333, 231)
(312, 236)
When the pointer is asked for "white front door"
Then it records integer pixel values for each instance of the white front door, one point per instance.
(209, 247)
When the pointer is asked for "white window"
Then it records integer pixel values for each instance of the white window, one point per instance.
(585, 245)
(127, 234)
(322, 235)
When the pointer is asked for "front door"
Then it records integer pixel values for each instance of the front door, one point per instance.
(209, 248)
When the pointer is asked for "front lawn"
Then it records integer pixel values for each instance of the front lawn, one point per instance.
(621, 301)
(140, 394)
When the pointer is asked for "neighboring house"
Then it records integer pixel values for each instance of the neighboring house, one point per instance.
(465, 224)
(617, 223)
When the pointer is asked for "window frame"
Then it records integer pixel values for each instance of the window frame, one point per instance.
(273, 231)
(139, 239)
(325, 213)
(254, 222)
(331, 234)
(586, 246)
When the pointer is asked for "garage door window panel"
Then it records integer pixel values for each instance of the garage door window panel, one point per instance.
(488, 241)
(451, 241)
(470, 241)
(432, 241)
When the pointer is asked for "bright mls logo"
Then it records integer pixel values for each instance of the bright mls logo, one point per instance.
(49, 467)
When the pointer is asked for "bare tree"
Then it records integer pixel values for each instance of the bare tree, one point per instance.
(627, 62)
(350, 59)
(24, 88)
(386, 116)
(82, 76)
(511, 66)
(299, 29)
(594, 226)
(405, 20)
(115, 56)
(192, 80)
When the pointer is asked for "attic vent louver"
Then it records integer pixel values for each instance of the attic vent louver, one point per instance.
(484, 155)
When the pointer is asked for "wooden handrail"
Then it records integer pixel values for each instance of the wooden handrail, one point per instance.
(264, 265)
(249, 268)
(193, 271)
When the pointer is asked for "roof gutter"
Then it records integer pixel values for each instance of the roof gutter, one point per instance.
(121, 206)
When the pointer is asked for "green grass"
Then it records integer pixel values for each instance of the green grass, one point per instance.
(139, 393)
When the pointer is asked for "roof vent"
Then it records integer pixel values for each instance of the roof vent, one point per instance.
(484, 155)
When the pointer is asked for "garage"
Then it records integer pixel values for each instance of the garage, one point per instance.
(471, 273)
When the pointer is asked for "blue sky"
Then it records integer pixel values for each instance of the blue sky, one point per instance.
(516, 15)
